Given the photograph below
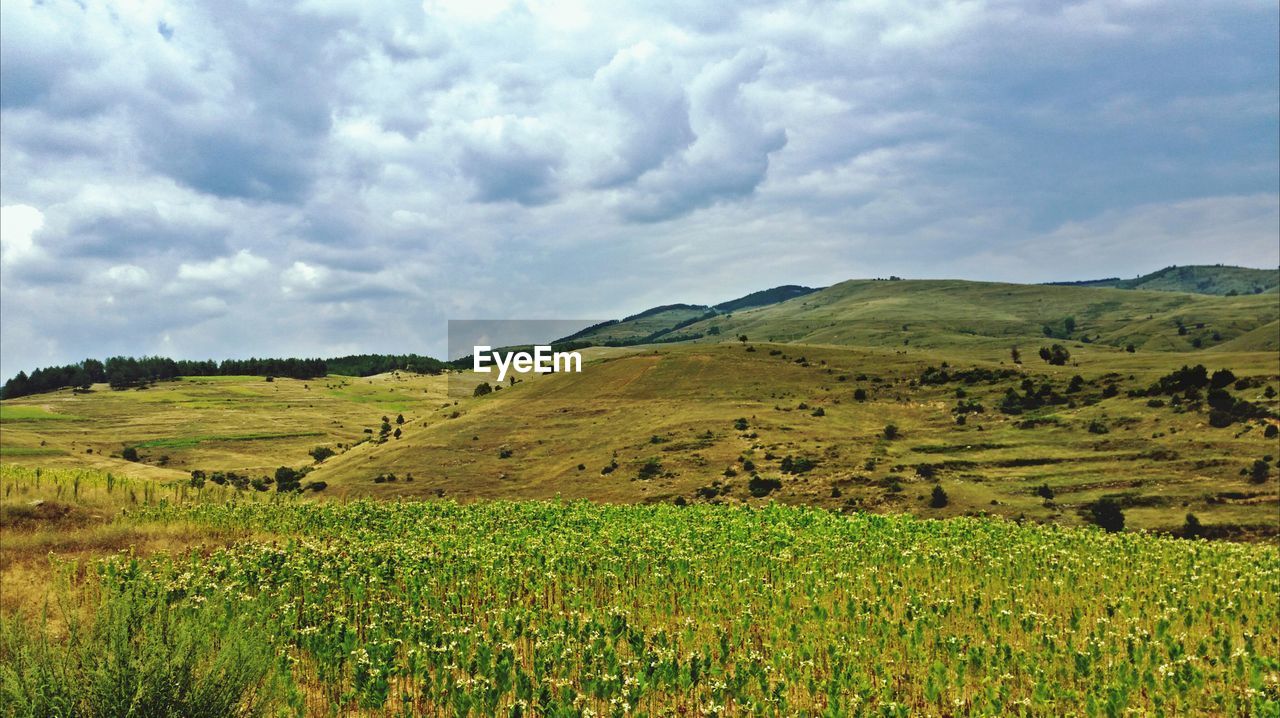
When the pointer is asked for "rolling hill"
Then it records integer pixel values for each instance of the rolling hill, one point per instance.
(799, 412)
(1199, 279)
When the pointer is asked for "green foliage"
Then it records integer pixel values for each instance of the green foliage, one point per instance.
(938, 498)
(320, 453)
(1107, 514)
(145, 652)
(482, 388)
(566, 606)
(130, 453)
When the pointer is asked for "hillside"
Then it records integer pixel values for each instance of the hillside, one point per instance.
(796, 414)
(1199, 279)
(949, 313)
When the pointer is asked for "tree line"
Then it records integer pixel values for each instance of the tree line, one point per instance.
(127, 372)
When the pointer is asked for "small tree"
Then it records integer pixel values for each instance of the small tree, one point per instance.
(399, 418)
(320, 453)
(482, 388)
(938, 498)
(860, 394)
(130, 453)
(890, 432)
(1107, 514)
(1015, 355)
(1259, 472)
(1192, 528)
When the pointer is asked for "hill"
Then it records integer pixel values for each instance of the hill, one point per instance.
(797, 413)
(1199, 279)
(948, 313)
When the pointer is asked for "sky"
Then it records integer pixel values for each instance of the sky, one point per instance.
(233, 179)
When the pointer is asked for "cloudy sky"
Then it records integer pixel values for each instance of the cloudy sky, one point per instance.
(232, 178)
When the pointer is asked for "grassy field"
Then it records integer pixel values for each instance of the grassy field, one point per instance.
(220, 423)
(659, 424)
(761, 537)
(280, 606)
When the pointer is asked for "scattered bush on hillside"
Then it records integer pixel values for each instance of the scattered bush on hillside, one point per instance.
(130, 453)
(1044, 492)
(1056, 355)
(288, 479)
(651, 468)
(1259, 472)
(938, 498)
(1105, 513)
(1192, 528)
(797, 465)
(1097, 426)
(482, 388)
(740, 424)
(320, 453)
(760, 487)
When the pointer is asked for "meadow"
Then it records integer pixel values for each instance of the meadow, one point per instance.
(574, 608)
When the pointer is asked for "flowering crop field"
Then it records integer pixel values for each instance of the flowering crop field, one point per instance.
(573, 608)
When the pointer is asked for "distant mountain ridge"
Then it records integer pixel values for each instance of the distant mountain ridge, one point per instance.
(1218, 279)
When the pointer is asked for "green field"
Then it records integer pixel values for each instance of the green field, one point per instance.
(873, 499)
(553, 608)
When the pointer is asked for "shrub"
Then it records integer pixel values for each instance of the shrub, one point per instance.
(1259, 472)
(819, 412)
(740, 424)
(482, 388)
(860, 394)
(1192, 528)
(320, 453)
(760, 487)
(1043, 491)
(650, 468)
(1107, 514)
(1271, 431)
(143, 656)
(938, 498)
(890, 431)
(797, 465)
(1098, 427)
(130, 453)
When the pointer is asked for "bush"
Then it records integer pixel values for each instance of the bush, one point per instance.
(320, 453)
(1056, 355)
(1044, 492)
(142, 656)
(938, 498)
(1271, 431)
(860, 394)
(1260, 472)
(1107, 514)
(890, 431)
(1192, 528)
(650, 468)
(482, 388)
(1098, 427)
(797, 465)
(740, 424)
(760, 487)
(130, 453)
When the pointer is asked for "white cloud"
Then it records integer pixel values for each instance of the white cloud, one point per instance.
(303, 277)
(241, 266)
(128, 276)
(18, 226)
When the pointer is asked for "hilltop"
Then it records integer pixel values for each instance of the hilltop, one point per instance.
(1199, 279)
(947, 313)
